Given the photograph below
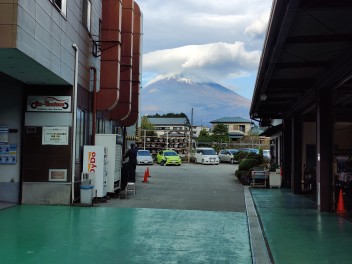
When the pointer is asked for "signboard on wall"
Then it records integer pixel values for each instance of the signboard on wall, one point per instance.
(55, 136)
(49, 103)
(8, 154)
(4, 134)
(57, 174)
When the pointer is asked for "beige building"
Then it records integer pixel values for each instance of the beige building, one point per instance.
(237, 126)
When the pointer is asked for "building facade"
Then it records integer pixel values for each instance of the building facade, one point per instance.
(61, 80)
(237, 126)
(303, 93)
(164, 125)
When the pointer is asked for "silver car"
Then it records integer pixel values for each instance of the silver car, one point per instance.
(144, 157)
(226, 155)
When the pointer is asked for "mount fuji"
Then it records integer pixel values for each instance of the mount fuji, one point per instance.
(180, 93)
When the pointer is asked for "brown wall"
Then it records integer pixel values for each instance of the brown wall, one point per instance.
(37, 158)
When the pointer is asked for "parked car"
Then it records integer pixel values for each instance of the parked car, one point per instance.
(168, 157)
(206, 156)
(144, 157)
(249, 150)
(226, 155)
(266, 153)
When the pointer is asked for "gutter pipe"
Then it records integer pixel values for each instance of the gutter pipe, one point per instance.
(74, 124)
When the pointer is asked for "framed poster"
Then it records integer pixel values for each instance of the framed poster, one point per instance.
(57, 175)
(8, 154)
(55, 136)
(4, 134)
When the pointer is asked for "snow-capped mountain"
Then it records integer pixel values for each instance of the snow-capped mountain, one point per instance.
(181, 93)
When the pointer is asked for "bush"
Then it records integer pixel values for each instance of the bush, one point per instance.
(248, 164)
(241, 155)
(245, 167)
(244, 177)
(273, 167)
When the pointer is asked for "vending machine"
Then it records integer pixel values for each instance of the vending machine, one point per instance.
(113, 143)
(95, 160)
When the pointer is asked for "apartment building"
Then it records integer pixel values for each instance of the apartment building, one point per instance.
(68, 70)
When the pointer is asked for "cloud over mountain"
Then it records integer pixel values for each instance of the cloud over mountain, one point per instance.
(219, 60)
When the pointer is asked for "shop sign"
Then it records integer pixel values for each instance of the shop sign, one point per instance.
(49, 103)
(55, 136)
(92, 164)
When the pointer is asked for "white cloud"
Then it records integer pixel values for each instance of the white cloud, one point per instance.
(215, 60)
(258, 27)
(221, 39)
(170, 24)
(151, 108)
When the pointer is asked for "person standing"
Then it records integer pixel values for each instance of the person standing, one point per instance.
(131, 154)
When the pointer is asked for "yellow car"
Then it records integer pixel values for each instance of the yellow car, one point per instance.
(168, 157)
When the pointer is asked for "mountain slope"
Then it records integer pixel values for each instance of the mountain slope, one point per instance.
(180, 93)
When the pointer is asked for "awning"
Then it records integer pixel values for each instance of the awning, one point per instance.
(271, 131)
(235, 135)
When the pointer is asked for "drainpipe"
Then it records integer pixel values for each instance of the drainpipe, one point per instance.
(94, 117)
(73, 162)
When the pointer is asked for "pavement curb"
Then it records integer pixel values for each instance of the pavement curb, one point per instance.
(260, 254)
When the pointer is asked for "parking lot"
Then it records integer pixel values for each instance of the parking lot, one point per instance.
(188, 187)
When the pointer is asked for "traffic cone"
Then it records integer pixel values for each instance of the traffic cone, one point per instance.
(145, 179)
(340, 204)
(148, 172)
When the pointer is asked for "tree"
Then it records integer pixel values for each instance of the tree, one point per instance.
(146, 125)
(221, 133)
(204, 136)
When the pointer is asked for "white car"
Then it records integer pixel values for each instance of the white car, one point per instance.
(206, 156)
(144, 157)
(227, 155)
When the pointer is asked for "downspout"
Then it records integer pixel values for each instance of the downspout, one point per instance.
(74, 123)
(94, 117)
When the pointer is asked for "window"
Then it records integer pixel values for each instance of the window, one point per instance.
(86, 11)
(61, 5)
(242, 128)
(82, 133)
(100, 126)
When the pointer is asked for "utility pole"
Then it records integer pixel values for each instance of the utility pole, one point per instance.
(190, 138)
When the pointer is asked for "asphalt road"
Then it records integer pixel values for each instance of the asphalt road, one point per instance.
(186, 187)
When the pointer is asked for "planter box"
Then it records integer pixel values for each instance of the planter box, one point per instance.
(274, 179)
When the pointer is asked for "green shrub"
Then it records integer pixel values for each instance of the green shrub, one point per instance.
(244, 177)
(248, 164)
(241, 155)
(273, 167)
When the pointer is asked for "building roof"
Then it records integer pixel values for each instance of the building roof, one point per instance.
(271, 131)
(168, 121)
(304, 53)
(231, 120)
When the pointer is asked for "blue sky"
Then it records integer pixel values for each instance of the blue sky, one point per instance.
(221, 40)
